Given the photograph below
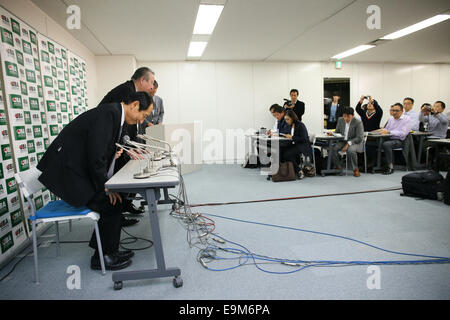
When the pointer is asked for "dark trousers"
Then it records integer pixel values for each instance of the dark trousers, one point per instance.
(290, 153)
(109, 223)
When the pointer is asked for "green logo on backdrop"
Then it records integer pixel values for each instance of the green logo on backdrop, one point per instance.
(48, 81)
(34, 104)
(63, 107)
(40, 155)
(20, 133)
(51, 105)
(31, 147)
(27, 47)
(19, 57)
(51, 47)
(3, 206)
(40, 92)
(15, 26)
(11, 69)
(59, 62)
(54, 73)
(27, 117)
(37, 131)
(11, 185)
(6, 242)
(43, 118)
(23, 88)
(54, 130)
(36, 64)
(44, 56)
(16, 218)
(24, 164)
(6, 152)
(7, 37)
(61, 85)
(1, 174)
(31, 76)
(3, 117)
(16, 101)
(33, 38)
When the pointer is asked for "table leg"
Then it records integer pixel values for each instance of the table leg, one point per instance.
(380, 145)
(329, 170)
(161, 270)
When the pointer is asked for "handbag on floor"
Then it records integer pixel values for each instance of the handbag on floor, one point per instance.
(424, 185)
(285, 172)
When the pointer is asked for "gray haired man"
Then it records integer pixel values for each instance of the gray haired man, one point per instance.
(157, 114)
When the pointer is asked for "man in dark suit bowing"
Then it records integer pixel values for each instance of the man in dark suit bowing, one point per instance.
(142, 80)
(81, 159)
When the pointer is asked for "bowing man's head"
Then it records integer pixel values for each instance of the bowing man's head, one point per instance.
(137, 106)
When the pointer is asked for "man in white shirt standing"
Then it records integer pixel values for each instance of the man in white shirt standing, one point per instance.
(353, 131)
(408, 105)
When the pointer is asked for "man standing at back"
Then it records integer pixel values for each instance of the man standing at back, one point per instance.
(408, 105)
(158, 111)
(296, 105)
(141, 80)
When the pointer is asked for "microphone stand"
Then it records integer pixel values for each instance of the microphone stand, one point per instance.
(148, 139)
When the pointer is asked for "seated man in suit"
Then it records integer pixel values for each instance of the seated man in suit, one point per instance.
(398, 126)
(81, 159)
(280, 126)
(352, 130)
(333, 111)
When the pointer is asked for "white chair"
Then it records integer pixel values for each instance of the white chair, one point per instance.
(312, 140)
(54, 211)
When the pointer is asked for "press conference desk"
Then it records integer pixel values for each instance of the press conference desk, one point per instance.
(149, 189)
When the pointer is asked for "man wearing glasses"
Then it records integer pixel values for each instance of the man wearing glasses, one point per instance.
(398, 127)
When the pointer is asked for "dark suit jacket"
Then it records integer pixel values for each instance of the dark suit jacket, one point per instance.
(76, 164)
(299, 109)
(300, 139)
(118, 94)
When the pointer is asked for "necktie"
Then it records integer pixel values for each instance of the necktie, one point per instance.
(111, 167)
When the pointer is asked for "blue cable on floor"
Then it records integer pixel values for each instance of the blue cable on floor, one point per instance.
(247, 253)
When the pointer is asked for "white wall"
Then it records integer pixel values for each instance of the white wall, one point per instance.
(237, 95)
(36, 18)
(112, 71)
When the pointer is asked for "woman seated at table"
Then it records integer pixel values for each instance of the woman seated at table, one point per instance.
(299, 145)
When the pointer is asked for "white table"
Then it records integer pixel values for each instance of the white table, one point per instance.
(148, 188)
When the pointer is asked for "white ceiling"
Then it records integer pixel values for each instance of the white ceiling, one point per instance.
(258, 30)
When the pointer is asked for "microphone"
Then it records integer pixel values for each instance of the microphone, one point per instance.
(126, 139)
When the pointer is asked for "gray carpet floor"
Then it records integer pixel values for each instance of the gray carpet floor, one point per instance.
(382, 219)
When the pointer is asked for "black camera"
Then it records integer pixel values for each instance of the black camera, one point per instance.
(287, 102)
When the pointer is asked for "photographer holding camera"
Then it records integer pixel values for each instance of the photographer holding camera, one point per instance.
(434, 119)
(370, 113)
(294, 104)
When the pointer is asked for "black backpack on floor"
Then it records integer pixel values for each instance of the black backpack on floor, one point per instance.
(424, 185)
